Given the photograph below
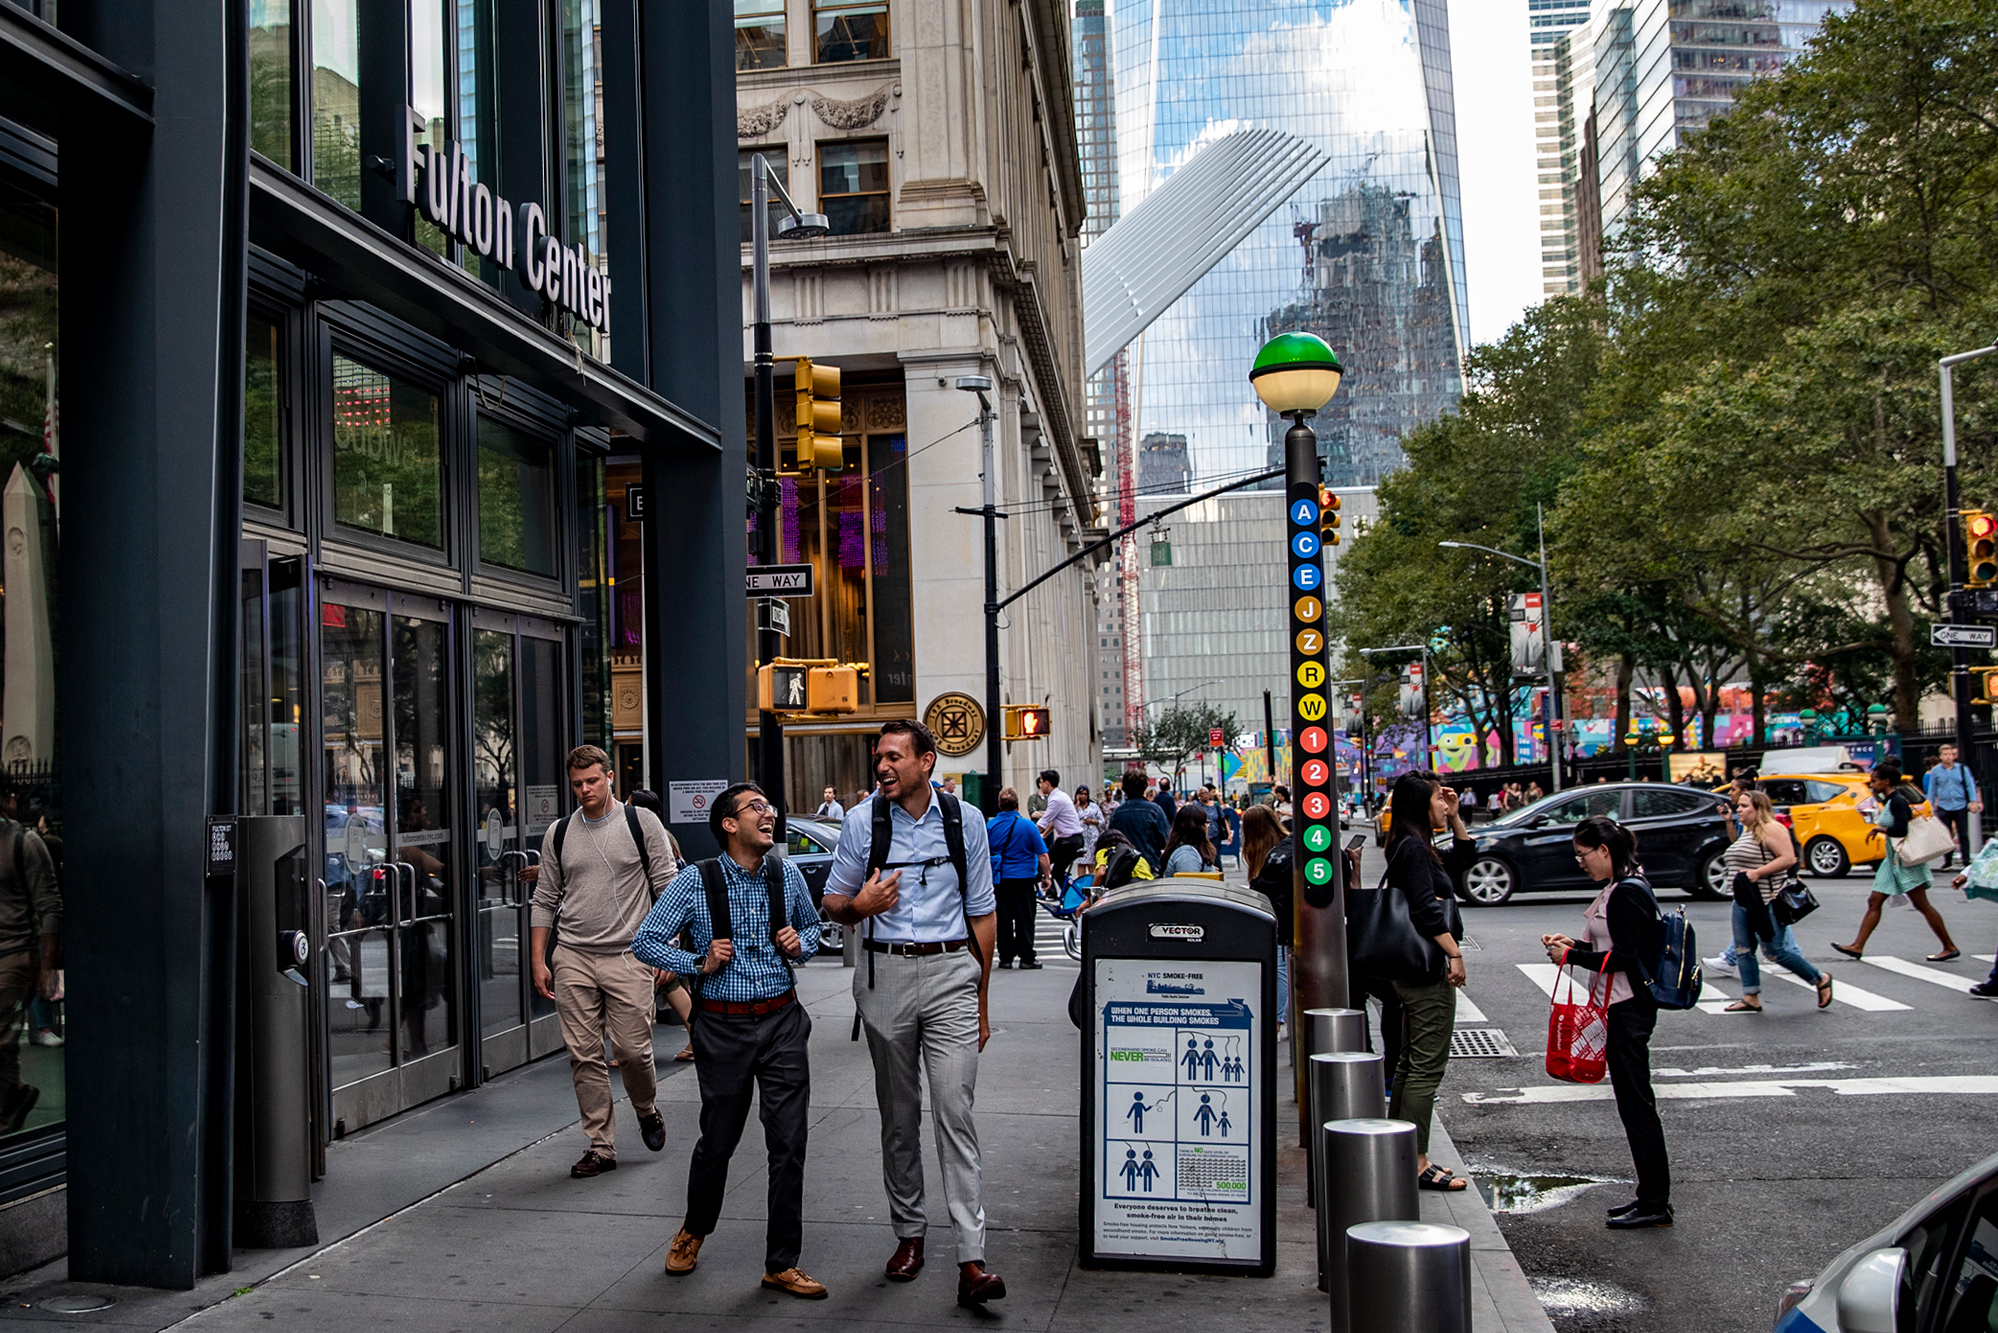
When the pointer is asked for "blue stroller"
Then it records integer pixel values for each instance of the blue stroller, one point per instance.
(1065, 910)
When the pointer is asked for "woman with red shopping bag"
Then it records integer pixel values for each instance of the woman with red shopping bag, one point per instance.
(1622, 933)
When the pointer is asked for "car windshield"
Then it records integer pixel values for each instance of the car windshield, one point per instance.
(1569, 807)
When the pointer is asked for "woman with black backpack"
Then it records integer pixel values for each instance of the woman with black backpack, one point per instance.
(1621, 931)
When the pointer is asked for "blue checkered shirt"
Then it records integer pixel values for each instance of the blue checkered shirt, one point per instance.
(757, 971)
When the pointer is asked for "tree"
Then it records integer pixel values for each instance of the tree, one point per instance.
(1180, 731)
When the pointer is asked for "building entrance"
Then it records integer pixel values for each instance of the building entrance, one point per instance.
(517, 777)
(395, 869)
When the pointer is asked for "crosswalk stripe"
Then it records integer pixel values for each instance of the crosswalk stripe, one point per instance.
(1467, 1011)
(1844, 992)
(1712, 998)
(1541, 975)
(1961, 1084)
(1933, 975)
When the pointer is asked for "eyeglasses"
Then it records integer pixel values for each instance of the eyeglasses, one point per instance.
(752, 807)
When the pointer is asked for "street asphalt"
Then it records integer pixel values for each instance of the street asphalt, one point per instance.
(1787, 1144)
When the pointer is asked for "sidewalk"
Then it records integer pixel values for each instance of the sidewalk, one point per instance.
(463, 1215)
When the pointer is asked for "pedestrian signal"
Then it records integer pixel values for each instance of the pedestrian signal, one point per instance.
(1027, 722)
(819, 444)
(1980, 547)
(1987, 681)
(820, 686)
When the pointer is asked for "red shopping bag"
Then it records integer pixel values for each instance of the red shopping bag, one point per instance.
(1578, 1034)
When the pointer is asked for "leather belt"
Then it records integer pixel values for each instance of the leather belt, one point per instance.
(907, 950)
(739, 1008)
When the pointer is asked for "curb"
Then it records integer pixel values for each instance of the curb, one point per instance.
(1501, 1299)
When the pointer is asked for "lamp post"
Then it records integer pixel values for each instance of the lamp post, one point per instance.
(988, 795)
(1546, 636)
(1296, 374)
(795, 227)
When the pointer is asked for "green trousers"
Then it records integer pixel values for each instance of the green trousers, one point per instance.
(1428, 1016)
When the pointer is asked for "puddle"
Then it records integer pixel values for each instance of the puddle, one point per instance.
(1563, 1297)
(1508, 1193)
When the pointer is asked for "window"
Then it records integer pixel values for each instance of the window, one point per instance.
(780, 170)
(388, 466)
(850, 31)
(759, 34)
(1655, 804)
(1577, 808)
(336, 100)
(584, 185)
(1824, 791)
(263, 430)
(516, 499)
(426, 95)
(1922, 1275)
(1784, 791)
(853, 186)
(799, 844)
(1973, 1297)
(270, 80)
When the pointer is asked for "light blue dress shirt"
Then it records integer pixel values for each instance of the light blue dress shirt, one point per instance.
(929, 906)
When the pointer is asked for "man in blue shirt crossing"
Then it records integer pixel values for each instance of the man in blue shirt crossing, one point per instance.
(1953, 795)
(1020, 862)
(751, 1027)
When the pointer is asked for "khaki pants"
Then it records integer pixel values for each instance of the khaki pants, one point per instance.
(597, 993)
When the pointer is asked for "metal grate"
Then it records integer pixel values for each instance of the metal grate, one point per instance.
(1479, 1044)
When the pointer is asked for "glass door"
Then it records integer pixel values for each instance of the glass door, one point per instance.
(517, 749)
(388, 975)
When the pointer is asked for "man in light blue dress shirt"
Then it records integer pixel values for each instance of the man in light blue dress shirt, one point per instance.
(930, 940)
(1954, 796)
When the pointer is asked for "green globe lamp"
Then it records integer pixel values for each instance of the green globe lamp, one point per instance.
(1296, 374)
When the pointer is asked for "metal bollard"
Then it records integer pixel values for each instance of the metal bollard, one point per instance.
(1338, 1085)
(1408, 1277)
(1369, 1177)
(1334, 1030)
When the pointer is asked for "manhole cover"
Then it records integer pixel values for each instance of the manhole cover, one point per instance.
(78, 1304)
(1479, 1043)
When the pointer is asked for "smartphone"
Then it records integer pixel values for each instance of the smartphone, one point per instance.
(1359, 841)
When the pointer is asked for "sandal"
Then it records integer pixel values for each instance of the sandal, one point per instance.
(1742, 1007)
(1824, 990)
(1439, 1178)
(686, 1053)
(1946, 956)
(1849, 953)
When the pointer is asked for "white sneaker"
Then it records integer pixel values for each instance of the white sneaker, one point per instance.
(44, 1037)
(1719, 964)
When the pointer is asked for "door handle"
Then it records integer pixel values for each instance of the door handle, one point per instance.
(511, 864)
(401, 867)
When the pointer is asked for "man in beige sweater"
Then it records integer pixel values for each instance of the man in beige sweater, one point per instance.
(601, 868)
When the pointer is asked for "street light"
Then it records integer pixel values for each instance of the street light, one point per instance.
(1546, 635)
(988, 796)
(1959, 656)
(795, 226)
(1296, 374)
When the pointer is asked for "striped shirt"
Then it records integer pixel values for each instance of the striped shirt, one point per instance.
(757, 971)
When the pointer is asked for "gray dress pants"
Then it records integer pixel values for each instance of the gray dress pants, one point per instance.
(921, 1018)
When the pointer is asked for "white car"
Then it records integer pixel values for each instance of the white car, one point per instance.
(1935, 1270)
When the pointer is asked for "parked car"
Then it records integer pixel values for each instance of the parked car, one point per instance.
(809, 843)
(1823, 811)
(1933, 1270)
(1681, 835)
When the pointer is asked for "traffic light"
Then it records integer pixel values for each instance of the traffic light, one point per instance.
(1027, 722)
(1980, 548)
(1987, 681)
(1328, 516)
(820, 686)
(819, 445)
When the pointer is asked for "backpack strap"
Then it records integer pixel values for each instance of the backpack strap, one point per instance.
(561, 832)
(953, 822)
(773, 878)
(715, 886)
(883, 833)
(638, 840)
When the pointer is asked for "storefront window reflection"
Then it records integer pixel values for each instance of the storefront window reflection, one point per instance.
(426, 93)
(31, 916)
(580, 141)
(270, 80)
(516, 499)
(263, 452)
(388, 472)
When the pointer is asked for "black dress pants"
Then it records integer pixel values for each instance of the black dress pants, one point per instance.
(1062, 855)
(1629, 1054)
(1016, 919)
(730, 1053)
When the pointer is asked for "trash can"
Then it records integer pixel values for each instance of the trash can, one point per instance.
(1178, 997)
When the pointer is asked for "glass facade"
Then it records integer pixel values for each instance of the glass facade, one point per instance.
(336, 100)
(388, 462)
(271, 80)
(759, 34)
(516, 499)
(1368, 254)
(846, 31)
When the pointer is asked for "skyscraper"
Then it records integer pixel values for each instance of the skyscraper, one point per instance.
(1554, 27)
(1368, 254)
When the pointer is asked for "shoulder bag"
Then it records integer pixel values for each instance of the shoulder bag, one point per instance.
(1578, 1034)
(1381, 939)
(1928, 838)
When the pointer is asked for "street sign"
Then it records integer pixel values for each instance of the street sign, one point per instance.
(774, 613)
(1215, 737)
(1963, 636)
(634, 504)
(783, 580)
(1311, 781)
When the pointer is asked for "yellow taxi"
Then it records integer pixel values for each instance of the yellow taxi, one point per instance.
(1823, 812)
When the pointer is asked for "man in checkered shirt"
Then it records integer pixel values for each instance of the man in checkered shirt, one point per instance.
(750, 1027)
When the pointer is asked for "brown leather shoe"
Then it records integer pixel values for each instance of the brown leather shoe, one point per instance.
(798, 1283)
(975, 1286)
(683, 1253)
(592, 1163)
(907, 1261)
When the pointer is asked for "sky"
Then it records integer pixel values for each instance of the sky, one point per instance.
(1495, 165)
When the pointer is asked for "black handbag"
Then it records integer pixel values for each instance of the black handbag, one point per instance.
(1381, 939)
(1761, 920)
(1793, 904)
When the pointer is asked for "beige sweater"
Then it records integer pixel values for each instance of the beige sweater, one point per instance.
(594, 894)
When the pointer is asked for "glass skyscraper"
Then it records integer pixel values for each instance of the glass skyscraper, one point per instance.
(1368, 254)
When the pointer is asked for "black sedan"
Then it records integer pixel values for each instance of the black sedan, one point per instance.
(1681, 835)
(809, 844)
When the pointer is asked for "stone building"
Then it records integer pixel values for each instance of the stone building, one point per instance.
(939, 139)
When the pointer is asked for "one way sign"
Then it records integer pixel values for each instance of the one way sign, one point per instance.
(1963, 636)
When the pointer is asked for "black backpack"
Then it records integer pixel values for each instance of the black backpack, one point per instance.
(882, 833)
(715, 884)
(637, 838)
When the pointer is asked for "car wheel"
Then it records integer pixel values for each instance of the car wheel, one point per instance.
(1488, 882)
(1712, 881)
(1826, 858)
